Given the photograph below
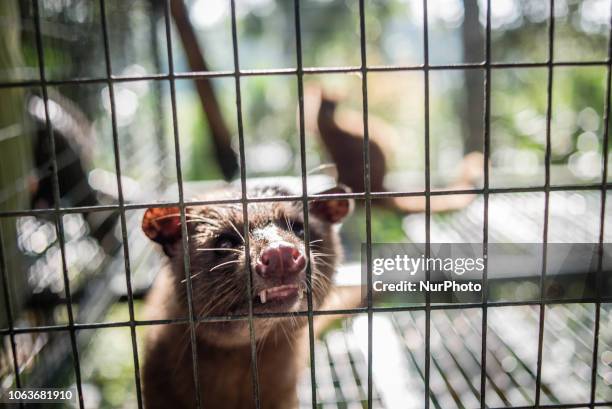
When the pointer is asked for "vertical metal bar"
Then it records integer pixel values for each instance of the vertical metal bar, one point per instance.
(304, 176)
(59, 225)
(179, 177)
(366, 178)
(427, 201)
(160, 128)
(485, 220)
(602, 217)
(9, 313)
(551, 39)
(245, 205)
(596, 334)
(124, 233)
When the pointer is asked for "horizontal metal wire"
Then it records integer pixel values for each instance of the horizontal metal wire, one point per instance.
(195, 75)
(563, 406)
(340, 312)
(292, 198)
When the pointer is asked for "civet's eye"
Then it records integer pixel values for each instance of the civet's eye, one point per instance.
(225, 242)
(297, 228)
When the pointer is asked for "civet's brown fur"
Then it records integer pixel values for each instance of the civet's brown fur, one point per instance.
(223, 348)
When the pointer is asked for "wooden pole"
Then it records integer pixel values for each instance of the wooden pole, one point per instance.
(226, 156)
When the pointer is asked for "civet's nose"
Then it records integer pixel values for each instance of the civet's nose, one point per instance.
(280, 260)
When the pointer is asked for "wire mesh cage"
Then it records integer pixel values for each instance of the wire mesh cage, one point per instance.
(426, 354)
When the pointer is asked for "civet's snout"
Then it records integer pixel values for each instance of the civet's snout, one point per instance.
(280, 260)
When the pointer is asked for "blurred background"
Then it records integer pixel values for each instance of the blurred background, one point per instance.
(93, 258)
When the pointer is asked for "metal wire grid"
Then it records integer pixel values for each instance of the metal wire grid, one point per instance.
(368, 196)
(398, 364)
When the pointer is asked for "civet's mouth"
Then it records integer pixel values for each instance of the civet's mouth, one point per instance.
(280, 296)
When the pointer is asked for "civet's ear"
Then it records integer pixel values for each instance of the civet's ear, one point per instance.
(333, 210)
(162, 225)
